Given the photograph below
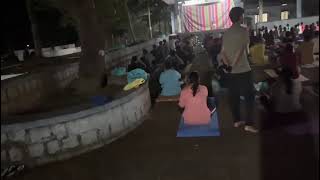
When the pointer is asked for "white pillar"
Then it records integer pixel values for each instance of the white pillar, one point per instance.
(149, 22)
(260, 10)
(299, 9)
(179, 19)
(173, 23)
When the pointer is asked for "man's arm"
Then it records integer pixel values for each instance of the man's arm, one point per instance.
(225, 59)
(239, 54)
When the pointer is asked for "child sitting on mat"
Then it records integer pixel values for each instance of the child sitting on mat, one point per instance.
(170, 81)
(193, 99)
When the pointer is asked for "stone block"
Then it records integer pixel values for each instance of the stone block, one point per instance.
(96, 121)
(70, 142)
(89, 137)
(78, 126)
(4, 96)
(38, 135)
(17, 135)
(15, 154)
(59, 131)
(3, 155)
(53, 147)
(33, 84)
(116, 126)
(36, 150)
(27, 86)
(3, 138)
(21, 89)
(12, 93)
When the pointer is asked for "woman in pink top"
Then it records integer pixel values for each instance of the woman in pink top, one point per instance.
(193, 99)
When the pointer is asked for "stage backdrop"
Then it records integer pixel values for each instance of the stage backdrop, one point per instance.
(207, 17)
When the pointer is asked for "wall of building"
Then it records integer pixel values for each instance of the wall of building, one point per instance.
(291, 22)
(274, 12)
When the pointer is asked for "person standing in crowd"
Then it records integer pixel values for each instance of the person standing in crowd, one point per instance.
(165, 48)
(176, 61)
(276, 32)
(316, 43)
(301, 28)
(215, 50)
(270, 39)
(148, 57)
(154, 50)
(293, 33)
(160, 52)
(240, 79)
(289, 60)
(306, 30)
(288, 27)
(280, 30)
(283, 33)
(305, 50)
(172, 43)
(283, 101)
(136, 64)
(193, 99)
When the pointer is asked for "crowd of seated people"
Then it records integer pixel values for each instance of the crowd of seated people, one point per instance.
(165, 65)
(291, 47)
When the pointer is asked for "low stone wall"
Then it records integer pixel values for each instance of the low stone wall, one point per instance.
(23, 93)
(58, 138)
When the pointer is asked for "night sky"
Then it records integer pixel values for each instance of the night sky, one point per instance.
(16, 32)
(15, 26)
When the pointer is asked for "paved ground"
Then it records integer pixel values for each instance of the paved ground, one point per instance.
(152, 152)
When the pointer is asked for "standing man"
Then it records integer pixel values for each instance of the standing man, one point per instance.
(240, 81)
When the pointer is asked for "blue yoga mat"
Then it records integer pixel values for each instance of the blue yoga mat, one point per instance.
(209, 130)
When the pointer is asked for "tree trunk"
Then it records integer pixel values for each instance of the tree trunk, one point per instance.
(130, 22)
(92, 64)
(34, 28)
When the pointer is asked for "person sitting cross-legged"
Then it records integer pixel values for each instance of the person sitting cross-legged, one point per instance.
(193, 99)
(283, 102)
(170, 81)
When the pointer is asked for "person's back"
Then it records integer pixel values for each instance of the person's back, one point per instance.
(170, 81)
(240, 81)
(316, 43)
(288, 59)
(234, 39)
(193, 99)
(257, 52)
(305, 50)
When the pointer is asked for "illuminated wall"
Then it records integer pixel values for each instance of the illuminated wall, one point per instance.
(207, 17)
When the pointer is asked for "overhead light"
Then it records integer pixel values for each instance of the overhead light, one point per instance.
(284, 4)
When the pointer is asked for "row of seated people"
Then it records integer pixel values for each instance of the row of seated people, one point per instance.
(305, 51)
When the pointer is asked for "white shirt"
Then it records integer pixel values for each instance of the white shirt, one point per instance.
(316, 45)
(172, 44)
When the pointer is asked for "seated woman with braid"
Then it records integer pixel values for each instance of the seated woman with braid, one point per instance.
(193, 99)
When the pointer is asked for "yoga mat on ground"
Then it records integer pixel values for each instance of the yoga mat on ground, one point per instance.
(210, 130)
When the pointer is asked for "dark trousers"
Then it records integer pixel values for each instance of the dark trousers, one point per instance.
(241, 85)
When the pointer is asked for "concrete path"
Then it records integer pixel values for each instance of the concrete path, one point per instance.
(152, 152)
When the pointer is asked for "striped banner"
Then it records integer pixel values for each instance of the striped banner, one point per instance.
(207, 17)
